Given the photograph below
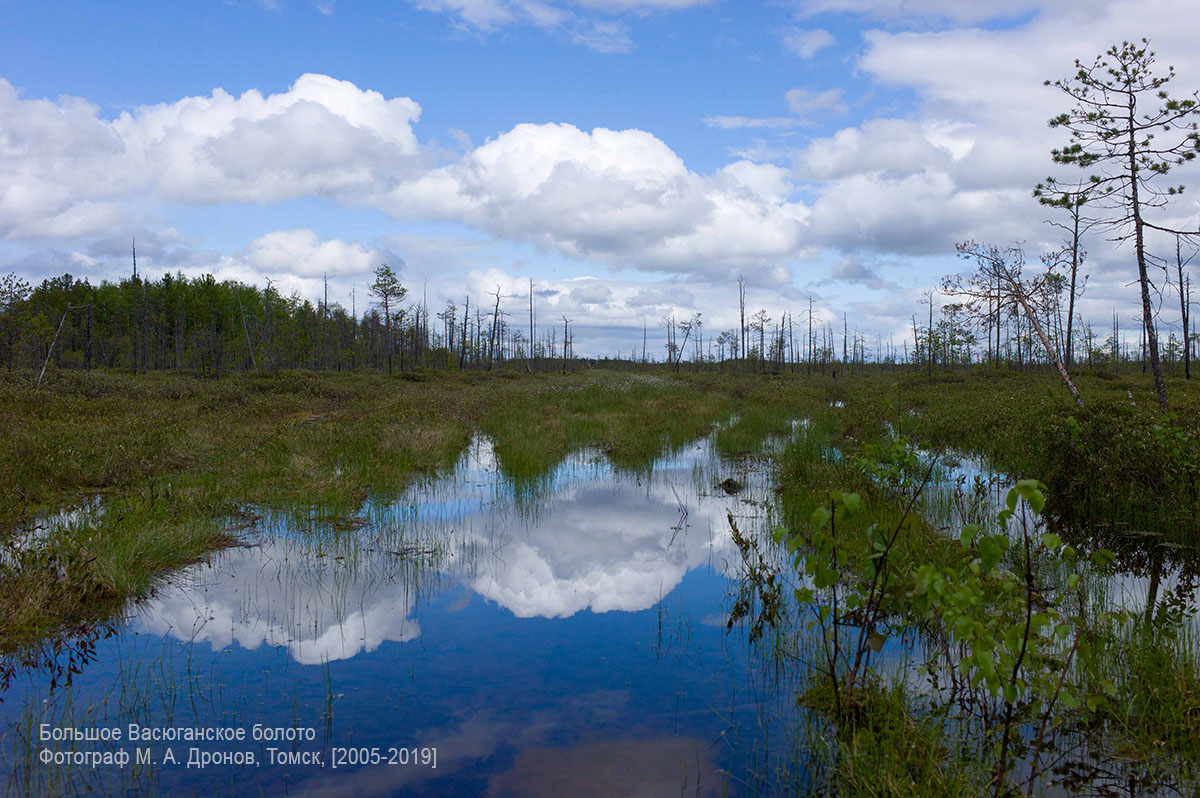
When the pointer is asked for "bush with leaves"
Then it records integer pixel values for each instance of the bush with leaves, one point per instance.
(1009, 643)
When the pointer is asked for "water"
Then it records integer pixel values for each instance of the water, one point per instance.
(566, 636)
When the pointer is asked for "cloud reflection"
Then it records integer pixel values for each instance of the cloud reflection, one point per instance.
(591, 538)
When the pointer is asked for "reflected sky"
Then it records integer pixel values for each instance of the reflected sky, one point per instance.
(562, 634)
(594, 539)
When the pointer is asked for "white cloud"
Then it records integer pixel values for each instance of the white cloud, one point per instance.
(963, 161)
(63, 168)
(302, 253)
(590, 23)
(322, 136)
(744, 122)
(807, 42)
(895, 146)
(804, 102)
(955, 11)
(621, 196)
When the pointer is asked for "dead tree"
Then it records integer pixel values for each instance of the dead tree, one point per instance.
(1002, 269)
(1185, 286)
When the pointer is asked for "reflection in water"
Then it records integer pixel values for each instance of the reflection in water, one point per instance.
(628, 767)
(542, 636)
(596, 541)
(1151, 578)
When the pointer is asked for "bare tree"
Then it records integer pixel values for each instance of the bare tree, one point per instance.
(759, 324)
(495, 327)
(1003, 268)
(1072, 200)
(1185, 286)
(532, 335)
(742, 316)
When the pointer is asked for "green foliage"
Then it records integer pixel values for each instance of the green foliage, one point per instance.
(1008, 642)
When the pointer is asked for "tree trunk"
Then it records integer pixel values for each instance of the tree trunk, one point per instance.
(1160, 387)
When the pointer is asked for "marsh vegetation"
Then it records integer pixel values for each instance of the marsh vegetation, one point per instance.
(784, 583)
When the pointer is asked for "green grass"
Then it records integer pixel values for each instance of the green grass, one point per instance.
(886, 749)
(174, 461)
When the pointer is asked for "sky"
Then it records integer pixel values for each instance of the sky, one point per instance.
(633, 158)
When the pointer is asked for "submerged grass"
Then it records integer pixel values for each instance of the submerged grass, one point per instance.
(752, 426)
(887, 749)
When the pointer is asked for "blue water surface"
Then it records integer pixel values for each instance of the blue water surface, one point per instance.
(561, 637)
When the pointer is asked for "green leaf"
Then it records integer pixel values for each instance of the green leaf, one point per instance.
(1051, 541)
(820, 517)
(1011, 500)
(852, 502)
(1032, 491)
(1072, 581)
(1010, 693)
(969, 533)
(1012, 639)
(990, 553)
(876, 641)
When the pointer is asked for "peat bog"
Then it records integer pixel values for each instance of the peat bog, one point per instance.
(716, 584)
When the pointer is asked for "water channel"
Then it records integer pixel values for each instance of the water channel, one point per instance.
(477, 636)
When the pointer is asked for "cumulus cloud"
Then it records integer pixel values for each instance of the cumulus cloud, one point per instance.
(64, 169)
(317, 608)
(322, 136)
(622, 196)
(302, 253)
(964, 159)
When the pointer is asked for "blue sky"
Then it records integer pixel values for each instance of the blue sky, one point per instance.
(631, 156)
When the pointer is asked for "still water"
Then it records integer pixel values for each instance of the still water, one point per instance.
(477, 636)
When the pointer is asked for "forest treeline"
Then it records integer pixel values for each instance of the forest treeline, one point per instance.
(199, 325)
(203, 326)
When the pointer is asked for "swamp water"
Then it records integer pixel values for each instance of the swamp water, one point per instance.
(477, 636)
